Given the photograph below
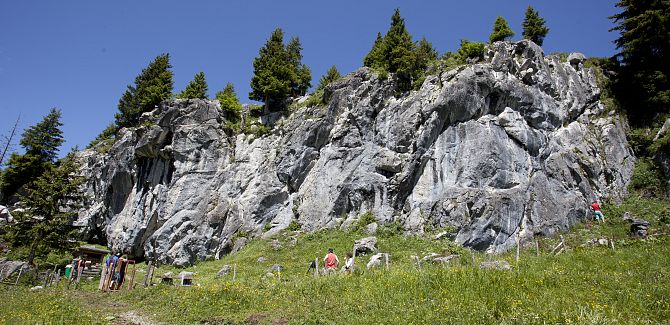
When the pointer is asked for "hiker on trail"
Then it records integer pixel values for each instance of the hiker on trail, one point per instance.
(123, 263)
(330, 261)
(596, 211)
(114, 264)
(349, 264)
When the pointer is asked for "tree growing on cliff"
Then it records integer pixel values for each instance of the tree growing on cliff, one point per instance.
(230, 104)
(278, 71)
(196, 88)
(41, 142)
(330, 76)
(51, 201)
(397, 53)
(302, 74)
(152, 86)
(501, 31)
(534, 26)
(642, 84)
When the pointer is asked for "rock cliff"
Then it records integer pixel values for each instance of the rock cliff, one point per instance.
(517, 144)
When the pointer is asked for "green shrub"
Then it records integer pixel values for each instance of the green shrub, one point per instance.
(648, 179)
(364, 220)
(294, 226)
(640, 140)
(470, 50)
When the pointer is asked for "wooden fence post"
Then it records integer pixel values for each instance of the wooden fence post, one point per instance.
(234, 271)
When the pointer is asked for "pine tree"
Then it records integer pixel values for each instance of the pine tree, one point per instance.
(399, 48)
(196, 89)
(330, 76)
(278, 72)
(375, 58)
(51, 203)
(41, 143)
(152, 86)
(229, 102)
(501, 31)
(302, 74)
(642, 84)
(534, 27)
(395, 52)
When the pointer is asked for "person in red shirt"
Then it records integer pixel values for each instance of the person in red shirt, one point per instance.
(596, 211)
(331, 262)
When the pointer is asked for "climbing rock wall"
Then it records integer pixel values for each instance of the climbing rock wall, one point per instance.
(518, 144)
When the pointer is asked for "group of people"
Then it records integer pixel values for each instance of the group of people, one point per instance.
(331, 263)
(114, 272)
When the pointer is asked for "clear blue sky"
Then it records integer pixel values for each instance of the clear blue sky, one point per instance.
(80, 55)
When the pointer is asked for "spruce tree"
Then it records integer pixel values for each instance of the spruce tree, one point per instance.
(395, 52)
(41, 142)
(278, 71)
(152, 86)
(534, 26)
(330, 76)
(501, 31)
(230, 104)
(375, 58)
(399, 48)
(302, 75)
(196, 89)
(642, 84)
(51, 201)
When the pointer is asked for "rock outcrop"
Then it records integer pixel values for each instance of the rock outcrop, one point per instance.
(516, 144)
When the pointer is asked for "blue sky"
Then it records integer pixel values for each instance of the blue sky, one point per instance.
(79, 56)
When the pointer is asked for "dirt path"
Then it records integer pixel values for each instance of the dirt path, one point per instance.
(111, 309)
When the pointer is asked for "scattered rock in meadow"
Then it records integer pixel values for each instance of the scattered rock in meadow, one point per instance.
(445, 259)
(35, 288)
(495, 265)
(371, 229)
(276, 268)
(275, 244)
(430, 257)
(239, 243)
(224, 270)
(261, 259)
(376, 260)
(366, 245)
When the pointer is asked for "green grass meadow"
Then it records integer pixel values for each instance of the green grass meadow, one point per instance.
(585, 284)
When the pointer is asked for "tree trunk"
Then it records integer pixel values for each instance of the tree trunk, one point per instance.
(33, 246)
(9, 141)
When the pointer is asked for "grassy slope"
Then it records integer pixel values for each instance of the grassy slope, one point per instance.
(590, 284)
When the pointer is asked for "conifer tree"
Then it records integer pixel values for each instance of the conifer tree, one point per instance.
(395, 52)
(51, 201)
(302, 74)
(152, 86)
(534, 26)
(399, 48)
(501, 31)
(278, 72)
(330, 76)
(196, 89)
(642, 84)
(41, 142)
(375, 58)
(229, 102)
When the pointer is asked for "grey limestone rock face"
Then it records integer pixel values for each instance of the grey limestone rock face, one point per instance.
(518, 143)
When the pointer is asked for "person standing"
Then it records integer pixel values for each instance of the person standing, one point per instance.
(595, 207)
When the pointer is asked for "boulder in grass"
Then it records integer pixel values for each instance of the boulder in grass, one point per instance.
(224, 270)
(276, 268)
(495, 265)
(376, 260)
(445, 259)
(261, 259)
(365, 245)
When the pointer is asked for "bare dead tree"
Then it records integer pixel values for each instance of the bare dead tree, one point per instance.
(8, 141)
